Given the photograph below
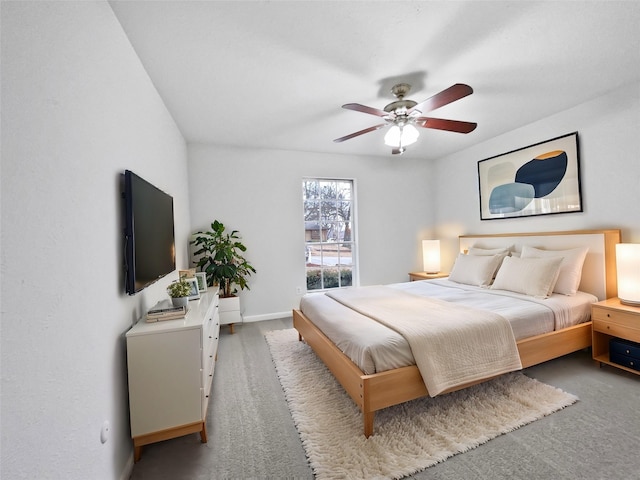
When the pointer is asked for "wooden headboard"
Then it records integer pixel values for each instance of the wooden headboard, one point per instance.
(599, 270)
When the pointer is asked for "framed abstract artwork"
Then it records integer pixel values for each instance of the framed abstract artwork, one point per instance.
(540, 179)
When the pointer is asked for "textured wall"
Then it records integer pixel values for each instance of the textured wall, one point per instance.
(77, 109)
(609, 148)
(259, 193)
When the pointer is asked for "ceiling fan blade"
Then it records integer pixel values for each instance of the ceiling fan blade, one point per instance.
(361, 132)
(451, 94)
(449, 125)
(364, 109)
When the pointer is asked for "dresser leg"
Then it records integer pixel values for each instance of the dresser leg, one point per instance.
(203, 433)
(231, 329)
(137, 453)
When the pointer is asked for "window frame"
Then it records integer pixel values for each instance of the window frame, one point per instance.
(355, 271)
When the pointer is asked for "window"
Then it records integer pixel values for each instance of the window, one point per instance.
(329, 231)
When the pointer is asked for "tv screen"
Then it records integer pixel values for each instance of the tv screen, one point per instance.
(149, 233)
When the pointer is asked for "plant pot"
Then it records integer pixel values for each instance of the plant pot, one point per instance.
(229, 310)
(179, 301)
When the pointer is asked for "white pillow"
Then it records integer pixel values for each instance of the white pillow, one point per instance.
(488, 251)
(530, 276)
(501, 252)
(570, 268)
(475, 269)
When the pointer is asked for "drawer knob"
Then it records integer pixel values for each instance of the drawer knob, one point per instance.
(608, 315)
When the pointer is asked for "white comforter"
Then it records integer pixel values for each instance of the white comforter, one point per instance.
(374, 347)
(452, 344)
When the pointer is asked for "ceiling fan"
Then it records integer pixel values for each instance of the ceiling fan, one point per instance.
(404, 115)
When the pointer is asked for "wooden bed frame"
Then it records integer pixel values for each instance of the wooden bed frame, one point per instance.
(380, 390)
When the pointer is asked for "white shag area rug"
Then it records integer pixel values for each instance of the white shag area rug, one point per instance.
(408, 437)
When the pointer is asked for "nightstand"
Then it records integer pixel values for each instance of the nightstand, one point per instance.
(613, 319)
(426, 276)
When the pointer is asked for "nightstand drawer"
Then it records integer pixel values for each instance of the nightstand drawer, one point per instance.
(617, 330)
(625, 319)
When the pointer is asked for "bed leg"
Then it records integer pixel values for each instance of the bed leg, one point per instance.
(368, 423)
(299, 337)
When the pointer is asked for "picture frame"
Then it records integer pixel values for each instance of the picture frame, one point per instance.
(202, 281)
(188, 273)
(540, 179)
(194, 294)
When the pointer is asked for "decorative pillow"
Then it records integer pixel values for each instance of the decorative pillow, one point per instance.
(570, 268)
(530, 276)
(475, 270)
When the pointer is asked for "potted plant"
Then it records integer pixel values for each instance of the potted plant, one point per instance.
(220, 256)
(179, 292)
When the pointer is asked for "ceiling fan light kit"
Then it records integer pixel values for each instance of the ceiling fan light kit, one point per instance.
(400, 136)
(404, 115)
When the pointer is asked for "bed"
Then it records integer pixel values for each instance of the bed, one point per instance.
(375, 387)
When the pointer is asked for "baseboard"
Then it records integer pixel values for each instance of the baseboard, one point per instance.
(128, 468)
(267, 316)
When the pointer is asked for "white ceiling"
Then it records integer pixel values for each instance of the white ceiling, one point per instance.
(274, 74)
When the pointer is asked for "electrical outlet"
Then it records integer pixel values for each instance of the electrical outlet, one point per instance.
(298, 290)
(104, 432)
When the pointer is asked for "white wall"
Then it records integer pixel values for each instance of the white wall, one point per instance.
(403, 201)
(259, 193)
(609, 147)
(77, 109)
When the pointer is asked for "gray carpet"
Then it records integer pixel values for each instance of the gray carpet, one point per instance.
(252, 435)
(408, 437)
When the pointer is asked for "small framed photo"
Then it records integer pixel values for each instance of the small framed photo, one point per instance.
(194, 294)
(188, 273)
(202, 281)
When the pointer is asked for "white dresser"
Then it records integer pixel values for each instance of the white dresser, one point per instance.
(171, 365)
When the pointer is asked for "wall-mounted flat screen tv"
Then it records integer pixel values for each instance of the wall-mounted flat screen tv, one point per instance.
(149, 233)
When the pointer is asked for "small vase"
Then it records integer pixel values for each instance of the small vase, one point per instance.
(180, 301)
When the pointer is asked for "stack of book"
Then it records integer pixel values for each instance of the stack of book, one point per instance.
(164, 310)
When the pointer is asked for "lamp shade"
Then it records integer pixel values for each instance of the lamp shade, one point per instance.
(628, 267)
(431, 255)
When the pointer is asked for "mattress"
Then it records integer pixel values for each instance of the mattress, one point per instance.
(374, 347)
